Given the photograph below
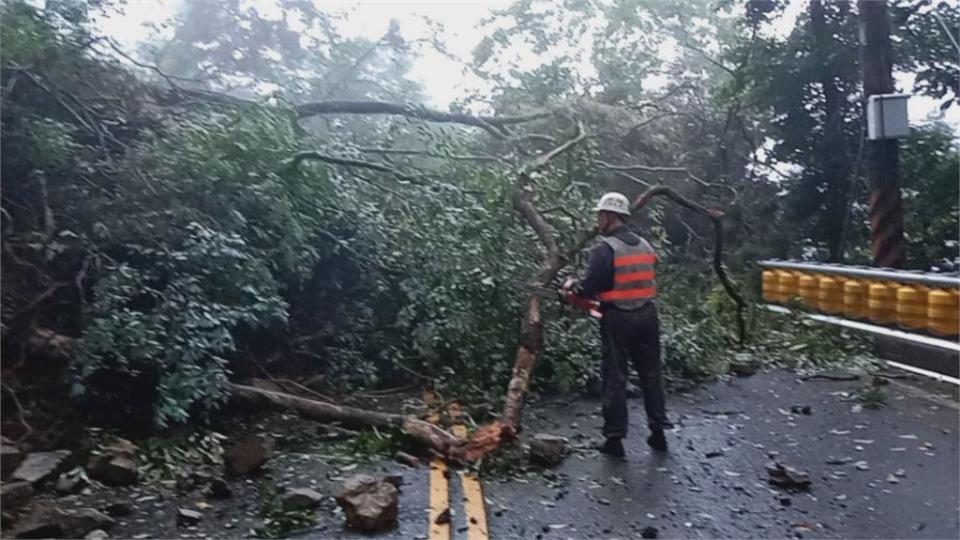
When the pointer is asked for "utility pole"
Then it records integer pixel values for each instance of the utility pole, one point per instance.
(886, 209)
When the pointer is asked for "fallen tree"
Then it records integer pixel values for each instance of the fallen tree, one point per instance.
(488, 438)
(524, 202)
(429, 434)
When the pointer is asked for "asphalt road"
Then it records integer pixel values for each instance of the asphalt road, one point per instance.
(885, 473)
(893, 472)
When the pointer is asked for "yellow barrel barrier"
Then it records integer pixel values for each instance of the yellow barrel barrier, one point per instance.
(854, 299)
(830, 294)
(909, 300)
(770, 289)
(912, 306)
(881, 302)
(943, 312)
(786, 285)
(807, 289)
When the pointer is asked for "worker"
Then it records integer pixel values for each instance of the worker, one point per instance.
(620, 273)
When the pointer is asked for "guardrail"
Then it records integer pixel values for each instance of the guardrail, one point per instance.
(917, 302)
(950, 281)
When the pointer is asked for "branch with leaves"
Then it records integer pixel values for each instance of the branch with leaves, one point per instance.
(488, 438)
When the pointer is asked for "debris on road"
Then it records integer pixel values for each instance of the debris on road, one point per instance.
(39, 466)
(247, 455)
(10, 458)
(548, 449)
(46, 521)
(187, 518)
(13, 495)
(218, 489)
(407, 459)
(787, 477)
(115, 465)
(744, 368)
(72, 482)
(370, 505)
(301, 499)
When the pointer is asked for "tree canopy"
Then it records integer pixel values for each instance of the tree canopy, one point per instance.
(249, 193)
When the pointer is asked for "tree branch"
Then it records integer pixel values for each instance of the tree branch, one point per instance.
(715, 217)
(294, 162)
(491, 124)
(427, 153)
(653, 169)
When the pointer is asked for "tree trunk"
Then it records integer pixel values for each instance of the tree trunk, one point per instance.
(886, 209)
(422, 431)
(834, 161)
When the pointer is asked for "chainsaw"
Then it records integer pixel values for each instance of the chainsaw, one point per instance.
(592, 307)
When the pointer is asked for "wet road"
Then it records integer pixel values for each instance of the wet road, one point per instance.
(886, 473)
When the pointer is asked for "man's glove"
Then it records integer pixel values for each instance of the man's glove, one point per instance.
(566, 290)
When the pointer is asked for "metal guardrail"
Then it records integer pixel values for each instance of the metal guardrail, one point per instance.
(945, 344)
(951, 281)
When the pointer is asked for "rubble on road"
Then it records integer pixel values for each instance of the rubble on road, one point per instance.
(787, 477)
(47, 521)
(301, 499)
(248, 455)
(116, 465)
(39, 466)
(548, 449)
(370, 505)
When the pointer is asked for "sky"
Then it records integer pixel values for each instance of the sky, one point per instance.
(444, 79)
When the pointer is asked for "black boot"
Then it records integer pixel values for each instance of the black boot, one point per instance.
(657, 441)
(613, 446)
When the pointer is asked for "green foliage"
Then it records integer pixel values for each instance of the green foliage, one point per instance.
(277, 522)
(925, 47)
(172, 235)
(380, 444)
(872, 397)
(162, 458)
(172, 323)
(46, 143)
(698, 331)
(26, 35)
(695, 324)
(930, 159)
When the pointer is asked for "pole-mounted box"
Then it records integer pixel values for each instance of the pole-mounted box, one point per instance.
(887, 116)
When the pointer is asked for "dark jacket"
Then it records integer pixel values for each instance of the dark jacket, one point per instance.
(599, 276)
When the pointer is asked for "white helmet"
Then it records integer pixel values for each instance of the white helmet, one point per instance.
(614, 202)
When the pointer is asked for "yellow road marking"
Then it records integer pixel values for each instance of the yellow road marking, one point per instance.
(474, 509)
(439, 499)
(439, 493)
(473, 504)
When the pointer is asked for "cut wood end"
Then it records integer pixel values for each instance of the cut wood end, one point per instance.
(484, 441)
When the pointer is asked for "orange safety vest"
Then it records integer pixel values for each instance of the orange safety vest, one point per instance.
(633, 274)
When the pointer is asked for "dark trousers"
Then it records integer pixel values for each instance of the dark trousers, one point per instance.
(631, 337)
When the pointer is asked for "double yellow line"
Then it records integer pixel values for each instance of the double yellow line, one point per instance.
(473, 503)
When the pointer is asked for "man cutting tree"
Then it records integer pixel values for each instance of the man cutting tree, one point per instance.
(620, 273)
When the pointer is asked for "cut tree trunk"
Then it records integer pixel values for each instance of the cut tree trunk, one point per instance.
(424, 432)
